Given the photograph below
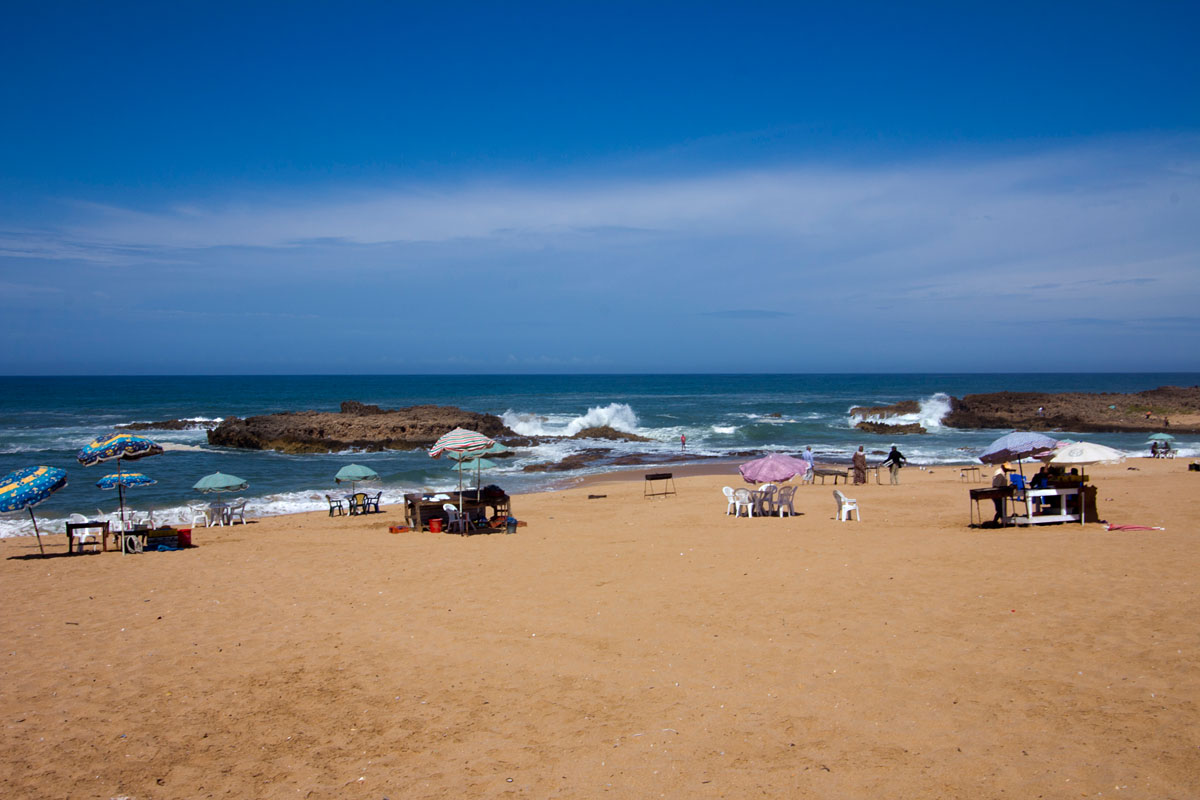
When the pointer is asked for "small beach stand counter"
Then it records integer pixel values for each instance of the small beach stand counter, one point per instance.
(420, 509)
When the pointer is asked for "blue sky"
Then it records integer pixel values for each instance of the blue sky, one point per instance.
(599, 187)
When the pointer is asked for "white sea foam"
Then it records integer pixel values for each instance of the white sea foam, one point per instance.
(725, 429)
(929, 415)
(619, 416)
(181, 447)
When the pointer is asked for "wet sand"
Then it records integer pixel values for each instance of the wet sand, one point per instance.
(623, 647)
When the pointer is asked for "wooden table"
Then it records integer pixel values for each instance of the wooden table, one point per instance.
(79, 526)
(1004, 493)
(970, 474)
(418, 510)
(824, 472)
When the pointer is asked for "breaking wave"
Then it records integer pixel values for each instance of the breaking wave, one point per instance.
(619, 416)
(932, 410)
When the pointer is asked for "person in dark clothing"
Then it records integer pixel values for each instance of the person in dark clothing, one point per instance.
(893, 462)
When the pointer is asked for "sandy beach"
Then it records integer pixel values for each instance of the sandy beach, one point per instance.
(623, 647)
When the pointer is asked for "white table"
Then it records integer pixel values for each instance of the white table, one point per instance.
(1030, 518)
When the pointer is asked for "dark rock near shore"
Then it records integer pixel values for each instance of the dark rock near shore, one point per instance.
(1165, 408)
(168, 425)
(355, 426)
(606, 432)
(576, 461)
(886, 429)
(883, 412)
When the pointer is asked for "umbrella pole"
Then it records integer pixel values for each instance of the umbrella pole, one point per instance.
(35, 532)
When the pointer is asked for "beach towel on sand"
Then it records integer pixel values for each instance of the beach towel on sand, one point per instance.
(1112, 527)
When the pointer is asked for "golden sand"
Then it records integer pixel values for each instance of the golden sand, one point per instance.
(623, 647)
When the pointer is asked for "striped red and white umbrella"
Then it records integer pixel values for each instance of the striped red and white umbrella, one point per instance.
(460, 440)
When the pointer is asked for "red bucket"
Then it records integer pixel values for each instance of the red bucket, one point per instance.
(435, 525)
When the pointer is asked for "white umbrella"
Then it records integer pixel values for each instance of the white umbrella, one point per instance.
(1085, 453)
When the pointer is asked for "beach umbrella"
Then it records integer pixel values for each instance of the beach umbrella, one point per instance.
(1084, 453)
(119, 446)
(220, 482)
(1015, 446)
(477, 464)
(28, 487)
(774, 468)
(460, 440)
(1161, 437)
(124, 480)
(353, 474)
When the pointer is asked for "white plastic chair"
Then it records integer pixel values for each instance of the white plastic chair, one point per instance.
(846, 506)
(783, 501)
(732, 507)
(86, 536)
(456, 523)
(199, 515)
(766, 499)
(237, 512)
(743, 499)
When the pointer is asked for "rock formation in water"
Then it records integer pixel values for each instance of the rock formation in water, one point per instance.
(606, 432)
(1167, 408)
(356, 426)
(871, 426)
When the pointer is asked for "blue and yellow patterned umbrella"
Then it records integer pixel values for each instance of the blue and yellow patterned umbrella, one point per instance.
(119, 446)
(29, 487)
(125, 480)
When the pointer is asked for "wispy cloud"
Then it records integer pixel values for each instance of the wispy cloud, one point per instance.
(593, 264)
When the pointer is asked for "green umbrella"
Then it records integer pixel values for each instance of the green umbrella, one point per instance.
(355, 473)
(468, 463)
(1161, 437)
(220, 482)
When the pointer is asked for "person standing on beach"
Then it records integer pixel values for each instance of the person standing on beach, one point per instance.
(893, 462)
(807, 455)
(860, 466)
(683, 442)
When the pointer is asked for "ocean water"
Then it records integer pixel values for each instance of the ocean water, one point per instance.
(46, 421)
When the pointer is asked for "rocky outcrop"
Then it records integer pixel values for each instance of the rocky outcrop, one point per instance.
(1166, 408)
(571, 462)
(606, 432)
(883, 412)
(886, 429)
(169, 425)
(356, 426)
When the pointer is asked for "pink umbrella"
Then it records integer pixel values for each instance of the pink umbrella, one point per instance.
(774, 468)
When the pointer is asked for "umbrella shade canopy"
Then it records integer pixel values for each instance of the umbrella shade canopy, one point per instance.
(773, 468)
(119, 445)
(474, 464)
(353, 473)
(26, 488)
(1015, 446)
(1085, 453)
(220, 482)
(1161, 437)
(125, 480)
(31, 486)
(495, 449)
(460, 440)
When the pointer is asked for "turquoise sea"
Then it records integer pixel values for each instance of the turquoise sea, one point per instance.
(46, 421)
